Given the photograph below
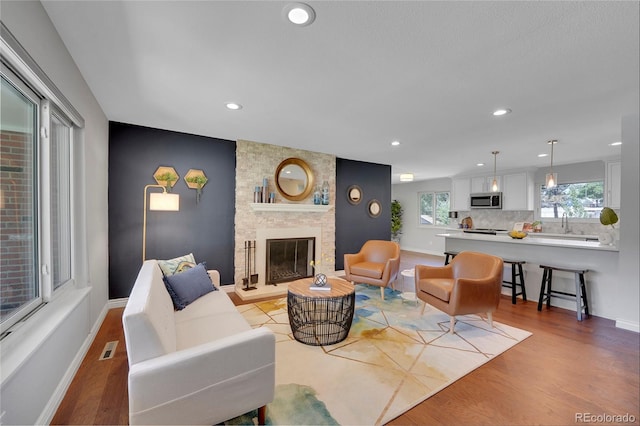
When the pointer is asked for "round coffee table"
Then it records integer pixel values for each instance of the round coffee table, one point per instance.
(320, 317)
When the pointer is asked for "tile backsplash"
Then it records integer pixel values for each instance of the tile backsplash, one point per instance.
(503, 219)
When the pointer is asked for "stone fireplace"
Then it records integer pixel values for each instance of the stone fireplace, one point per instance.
(282, 220)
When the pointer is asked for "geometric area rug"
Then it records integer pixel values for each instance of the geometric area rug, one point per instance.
(393, 359)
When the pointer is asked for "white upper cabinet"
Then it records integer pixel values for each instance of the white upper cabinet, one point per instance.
(614, 180)
(461, 189)
(484, 183)
(517, 191)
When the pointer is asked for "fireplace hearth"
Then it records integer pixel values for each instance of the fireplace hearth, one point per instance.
(288, 259)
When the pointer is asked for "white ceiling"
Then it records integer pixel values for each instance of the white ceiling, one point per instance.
(426, 73)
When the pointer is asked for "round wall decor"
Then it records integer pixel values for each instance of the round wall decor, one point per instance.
(354, 194)
(374, 208)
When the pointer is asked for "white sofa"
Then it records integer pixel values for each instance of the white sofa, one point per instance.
(201, 365)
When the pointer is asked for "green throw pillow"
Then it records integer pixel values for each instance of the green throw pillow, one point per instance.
(178, 264)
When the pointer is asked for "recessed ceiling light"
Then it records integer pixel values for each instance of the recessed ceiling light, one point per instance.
(480, 164)
(232, 105)
(615, 144)
(542, 155)
(299, 14)
(406, 177)
(501, 111)
(395, 143)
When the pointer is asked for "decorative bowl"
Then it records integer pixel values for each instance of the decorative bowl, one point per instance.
(517, 235)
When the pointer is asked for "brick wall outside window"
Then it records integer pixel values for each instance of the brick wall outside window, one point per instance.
(16, 220)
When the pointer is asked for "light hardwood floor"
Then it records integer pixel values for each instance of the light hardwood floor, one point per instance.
(565, 369)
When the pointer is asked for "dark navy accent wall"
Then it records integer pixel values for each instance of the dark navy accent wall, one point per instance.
(205, 229)
(354, 226)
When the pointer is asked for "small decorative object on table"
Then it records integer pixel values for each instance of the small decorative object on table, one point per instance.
(320, 282)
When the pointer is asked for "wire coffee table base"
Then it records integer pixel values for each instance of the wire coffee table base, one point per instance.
(321, 320)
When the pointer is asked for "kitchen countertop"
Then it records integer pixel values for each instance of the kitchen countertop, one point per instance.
(535, 241)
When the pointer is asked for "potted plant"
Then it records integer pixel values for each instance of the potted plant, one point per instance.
(199, 180)
(167, 178)
(608, 217)
(396, 220)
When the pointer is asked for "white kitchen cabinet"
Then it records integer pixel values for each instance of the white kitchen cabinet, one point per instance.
(484, 183)
(614, 180)
(461, 189)
(517, 191)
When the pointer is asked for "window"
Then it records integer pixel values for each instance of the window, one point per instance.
(19, 278)
(36, 197)
(433, 208)
(577, 200)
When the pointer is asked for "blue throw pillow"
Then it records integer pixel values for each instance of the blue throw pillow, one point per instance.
(185, 287)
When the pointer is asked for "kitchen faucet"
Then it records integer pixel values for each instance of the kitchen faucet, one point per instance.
(565, 223)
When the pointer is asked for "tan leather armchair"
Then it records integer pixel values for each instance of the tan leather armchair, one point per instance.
(470, 284)
(376, 263)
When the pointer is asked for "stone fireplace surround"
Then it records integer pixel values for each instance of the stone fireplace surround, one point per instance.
(255, 161)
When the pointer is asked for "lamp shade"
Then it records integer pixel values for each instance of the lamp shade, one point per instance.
(164, 202)
(551, 180)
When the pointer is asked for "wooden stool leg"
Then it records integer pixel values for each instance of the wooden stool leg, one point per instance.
(549, 282)
(542, 288)
(578, 297)
(513, 284)
(584, 294)
(524, 290)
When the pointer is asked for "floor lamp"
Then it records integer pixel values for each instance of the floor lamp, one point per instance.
(158, 201)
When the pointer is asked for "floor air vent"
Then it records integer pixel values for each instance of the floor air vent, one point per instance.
(108, 351)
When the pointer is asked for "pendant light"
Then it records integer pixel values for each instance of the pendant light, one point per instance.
(551, 179)
(494, 184)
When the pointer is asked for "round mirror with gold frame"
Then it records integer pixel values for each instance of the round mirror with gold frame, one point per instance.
(294, 179)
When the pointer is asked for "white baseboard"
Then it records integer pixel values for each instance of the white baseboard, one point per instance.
(628, 325)
(56, 399)
(117, 303)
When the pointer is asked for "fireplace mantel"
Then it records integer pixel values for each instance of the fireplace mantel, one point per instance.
(288, 207)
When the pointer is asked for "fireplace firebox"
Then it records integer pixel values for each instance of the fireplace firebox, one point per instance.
(288, 259)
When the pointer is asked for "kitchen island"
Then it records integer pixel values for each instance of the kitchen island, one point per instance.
(600, 260)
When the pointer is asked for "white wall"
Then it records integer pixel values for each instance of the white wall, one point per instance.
(35, 383)
(628, 295)
(574, 172)
(421, 239)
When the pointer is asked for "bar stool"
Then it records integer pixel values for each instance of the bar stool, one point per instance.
(516, 272)
(449, 254)
(580, 294)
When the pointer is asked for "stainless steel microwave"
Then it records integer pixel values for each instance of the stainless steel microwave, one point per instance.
(486, 200)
